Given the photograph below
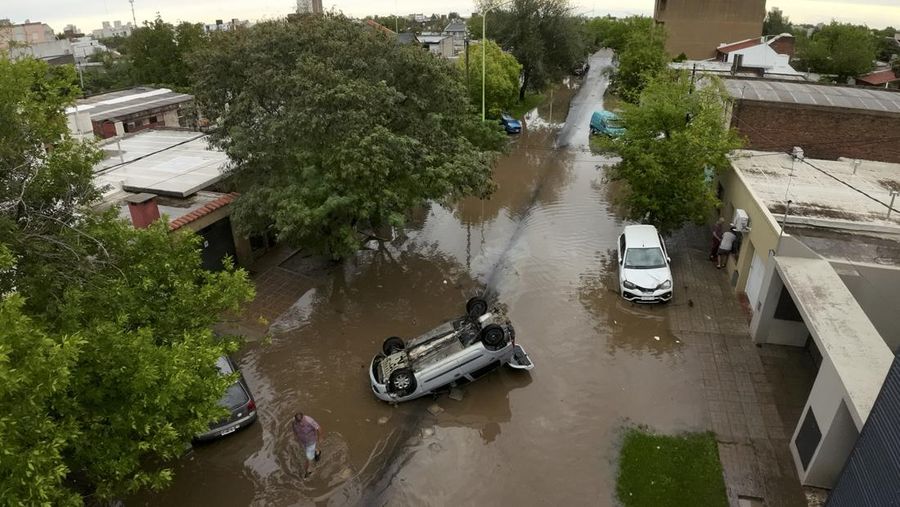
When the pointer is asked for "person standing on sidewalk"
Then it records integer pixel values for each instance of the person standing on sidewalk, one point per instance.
(726, 246)
(716, 239)
(307, 431)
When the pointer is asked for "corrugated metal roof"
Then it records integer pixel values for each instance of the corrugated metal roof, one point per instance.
(814, 94)
(123, 103)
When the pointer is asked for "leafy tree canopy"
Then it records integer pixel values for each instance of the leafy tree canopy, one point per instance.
(158, 51)
(674, 137)
(776, 23)
(544, 37)
(613, 33)
(502, 86)
(838, 49)
(333, 129)
(643, 56)
(107, 362)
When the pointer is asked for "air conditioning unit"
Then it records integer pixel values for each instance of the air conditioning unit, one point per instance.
(740, 220)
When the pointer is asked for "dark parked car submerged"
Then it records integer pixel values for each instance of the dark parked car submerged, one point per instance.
(512, 125)
(237, 399)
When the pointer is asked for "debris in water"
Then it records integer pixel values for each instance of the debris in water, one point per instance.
(427, 432)
(445, 282)
(456, 394)
(656, 338)
(708, 317)
(345, 474)
(436, 447)
(383, 419)
(435, 409)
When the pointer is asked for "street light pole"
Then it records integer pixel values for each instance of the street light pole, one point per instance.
(483, 59)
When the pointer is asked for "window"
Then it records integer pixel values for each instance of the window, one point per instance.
(644, 258)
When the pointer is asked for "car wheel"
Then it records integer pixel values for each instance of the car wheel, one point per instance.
(392, 345)
(493, 337)
(476, 307)
(402, 382)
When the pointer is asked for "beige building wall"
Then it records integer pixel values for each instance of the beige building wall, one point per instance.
(697, 27)
(763, 235)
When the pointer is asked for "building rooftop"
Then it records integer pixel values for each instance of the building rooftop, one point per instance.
(179, 210)
(842, 330)
(432, 39)
(814, 94)
(163, 162)
(457, 25)
(826, 193)
(122, 103)
(724, 68)
(879, 77)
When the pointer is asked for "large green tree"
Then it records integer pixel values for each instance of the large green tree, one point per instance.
(675, 139)
(334, 130)
(776, 23)
(642, 56)
(839, 49)
(107, 360)
(501, 88)
(158, 51)
(544, 37)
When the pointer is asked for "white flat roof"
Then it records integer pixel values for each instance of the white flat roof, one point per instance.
(843, 332)
(162, 162)
(823, 191)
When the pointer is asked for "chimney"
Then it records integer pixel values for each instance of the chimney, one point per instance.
(143, 209)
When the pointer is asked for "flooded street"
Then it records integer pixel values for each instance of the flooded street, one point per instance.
(545, 245)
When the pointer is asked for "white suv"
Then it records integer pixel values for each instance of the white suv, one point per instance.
(644, 272)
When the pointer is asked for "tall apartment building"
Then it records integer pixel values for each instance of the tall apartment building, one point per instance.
(697, 27)
(309, 7)
(24, 33)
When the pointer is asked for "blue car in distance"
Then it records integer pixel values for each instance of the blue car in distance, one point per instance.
(607, 123)
(512, 125)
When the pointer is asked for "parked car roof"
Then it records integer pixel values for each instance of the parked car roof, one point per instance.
(641, 236)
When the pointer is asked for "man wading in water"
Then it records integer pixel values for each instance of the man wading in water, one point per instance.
(307, 431)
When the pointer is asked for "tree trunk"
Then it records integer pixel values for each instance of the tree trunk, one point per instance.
(524, 86)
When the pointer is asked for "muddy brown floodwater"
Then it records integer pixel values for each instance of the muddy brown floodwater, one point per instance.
(543, 244)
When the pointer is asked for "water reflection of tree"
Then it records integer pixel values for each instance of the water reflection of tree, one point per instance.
(626, 326)
(531, 174)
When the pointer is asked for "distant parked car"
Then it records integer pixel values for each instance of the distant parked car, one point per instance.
(645, 275)
(582, 68)
(607, 123)
(459, 351)
(512, 125)
(237, 399)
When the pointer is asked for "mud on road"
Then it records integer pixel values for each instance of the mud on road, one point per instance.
(544, 244)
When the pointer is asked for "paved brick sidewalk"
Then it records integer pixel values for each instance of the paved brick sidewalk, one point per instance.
(739, 380)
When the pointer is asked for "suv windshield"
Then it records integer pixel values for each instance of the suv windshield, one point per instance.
(614, 122)
(644, 258)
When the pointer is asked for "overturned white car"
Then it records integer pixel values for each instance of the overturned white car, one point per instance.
(453, 353)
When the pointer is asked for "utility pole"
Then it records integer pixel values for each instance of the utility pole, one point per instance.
(133, 17)
(468, 86)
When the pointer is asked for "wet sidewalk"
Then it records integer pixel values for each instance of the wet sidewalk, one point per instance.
(739, 380)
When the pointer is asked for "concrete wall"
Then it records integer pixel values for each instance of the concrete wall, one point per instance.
(875, 289)
(170, 118)
(764, 229)
(697, 27)
(822, 132)
(764, 327)
(836, 424)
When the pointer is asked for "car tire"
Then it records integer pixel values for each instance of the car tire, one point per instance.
(392, 345)
(476, 307)
(402, 382)
(493, 337)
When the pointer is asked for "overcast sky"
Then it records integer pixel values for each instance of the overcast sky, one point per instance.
(87, 14)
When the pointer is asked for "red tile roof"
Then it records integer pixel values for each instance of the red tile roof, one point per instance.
(878, 78)
(202, 211)
(734, 46)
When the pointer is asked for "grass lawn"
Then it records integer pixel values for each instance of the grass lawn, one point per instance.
(531, 101)
(660, 470)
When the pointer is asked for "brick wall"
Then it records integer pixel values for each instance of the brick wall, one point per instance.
(826, 133)
(784, 46)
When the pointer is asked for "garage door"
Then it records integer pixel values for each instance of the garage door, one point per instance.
(754, 280)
